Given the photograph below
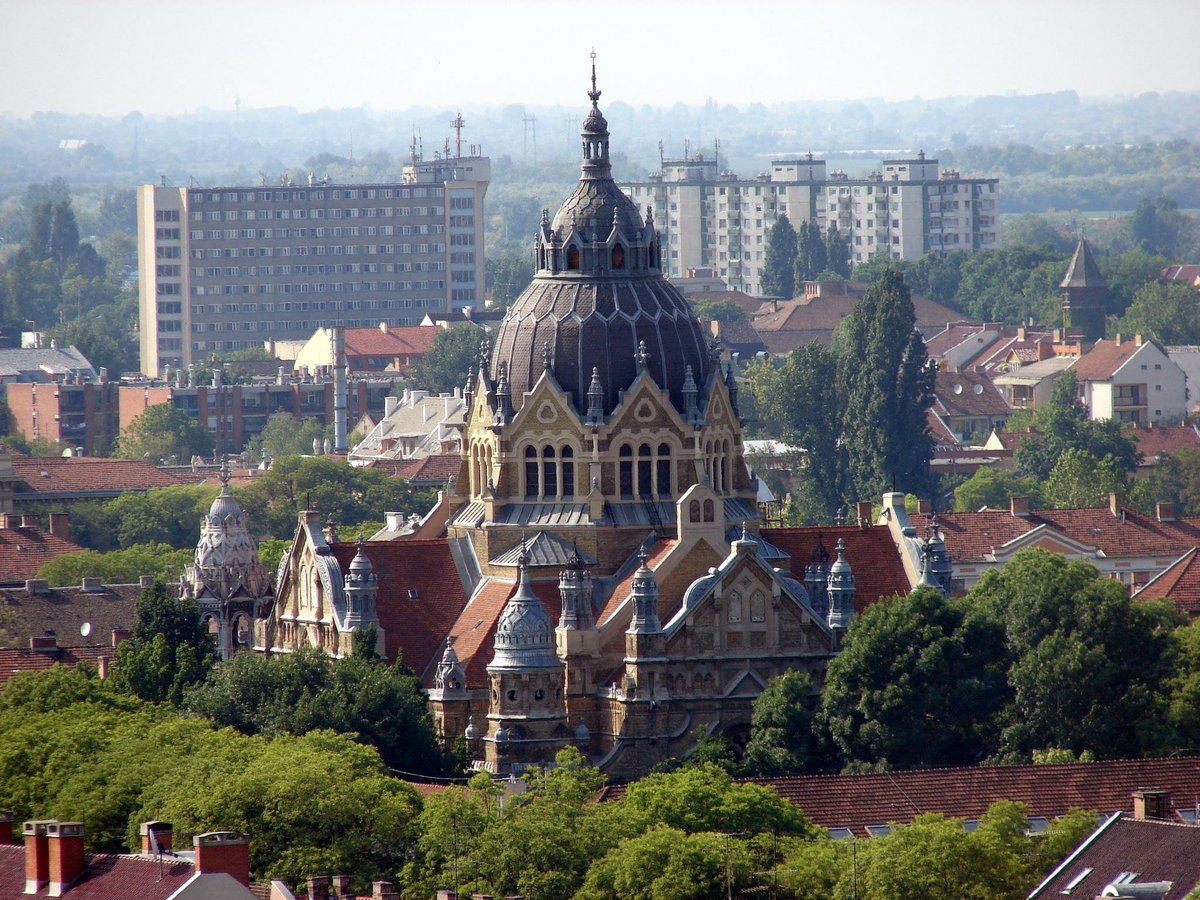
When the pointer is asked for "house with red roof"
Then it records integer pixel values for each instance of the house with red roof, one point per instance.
(25, 546)
(1178, 583)
(1131, 380)
(1188, 274)
(966, 403)
(387, 348)
(36, 480)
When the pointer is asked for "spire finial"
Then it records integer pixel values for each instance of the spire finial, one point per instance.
(224, 474)
(594, 94)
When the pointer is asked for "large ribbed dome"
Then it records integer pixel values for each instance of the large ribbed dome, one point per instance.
(598, 294)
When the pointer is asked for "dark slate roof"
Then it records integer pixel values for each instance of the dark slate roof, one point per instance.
(25, 614)
(1141, 851)
(1083, 271)
(543, 549)
(107, 876)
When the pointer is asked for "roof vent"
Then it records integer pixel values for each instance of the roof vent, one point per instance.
(414, 594)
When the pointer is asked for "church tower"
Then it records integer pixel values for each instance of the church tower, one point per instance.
(577, 637)
(1084, 295)
(840, 593)
(527, 710)
(361, 589)
(645, 641)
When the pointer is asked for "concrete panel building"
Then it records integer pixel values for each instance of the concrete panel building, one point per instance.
(225, 268)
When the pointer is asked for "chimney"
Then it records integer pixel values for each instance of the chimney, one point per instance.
(145, 581)
(1152, 803)
(65, 843)
(1165, 512)
(102, 667)
(37, 855)
(119, 635)
(6, 835)
(224, 851)
(1118, 339)
(1114, 504)
(1018, 506)
(339, 389)
(156, 837)
(862, 512)
(37, 585)
(383, 326)
(924, 507)
(46, 642)
(92, 584)
(318, 887)
(1137, 340)
(384, 890)
(389, 405)
(341, 887)
(60, 525)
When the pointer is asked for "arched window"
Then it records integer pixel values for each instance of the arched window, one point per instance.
(644, 469)
(662, 475)
(708, 511)
(572, 259)
(625, 471)
(735, 608)
(531, 473)
(568, 472)
(726, 465)
(549, 472)
(618, 256)
(694, 511)
(758, 607)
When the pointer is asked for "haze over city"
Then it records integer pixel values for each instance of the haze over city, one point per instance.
(111, 58)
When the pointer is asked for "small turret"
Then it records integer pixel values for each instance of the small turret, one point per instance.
(691, 411)
(645, 599)
(361, 588)
(504, 411)
(450, 676)
(575, 586)
(595, 395)
(841, 590)
(816, 578)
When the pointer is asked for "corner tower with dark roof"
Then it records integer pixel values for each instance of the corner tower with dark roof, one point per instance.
(1084, 294)
(600, 401)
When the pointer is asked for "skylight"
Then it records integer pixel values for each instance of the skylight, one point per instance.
(1074, 882)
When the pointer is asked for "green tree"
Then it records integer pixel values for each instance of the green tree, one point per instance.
(1175, 479)
(779, 263)
(169, 649)
(444, 367)
(889, 387)
(993, 488)
(665, 863)
(919, 683)
(117, 566)
(837, 253)
(1158, 226)
(509, 271)
(811, 254)
(1127, 272)
(1168, 313)
(64, 234)
(1079, 480)
(380, 705)
(38, 241)
(286, 435)
(782, 738)
(163, 431)
(719, 311)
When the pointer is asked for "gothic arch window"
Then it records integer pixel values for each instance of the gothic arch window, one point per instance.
(735, 608)
(618, 256)
(572, 258)
(625, 470)
(532, 487)
(568, 472)
(241, 631)
(549, 472)
(708, 511)
(662, 475)
(645, 469)
(726, 465)
(694, 511)
(758, 607)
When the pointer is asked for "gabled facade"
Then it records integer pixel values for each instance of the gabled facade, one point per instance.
(1131, 380)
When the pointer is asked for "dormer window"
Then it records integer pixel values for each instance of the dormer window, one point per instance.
(618, 256)
(572, 259)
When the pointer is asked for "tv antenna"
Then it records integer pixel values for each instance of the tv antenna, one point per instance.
(457, 125)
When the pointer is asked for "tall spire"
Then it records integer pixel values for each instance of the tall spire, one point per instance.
(594, 93)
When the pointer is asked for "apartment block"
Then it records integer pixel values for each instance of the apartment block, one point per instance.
(76, 411)
(715, 219)
(226, 268)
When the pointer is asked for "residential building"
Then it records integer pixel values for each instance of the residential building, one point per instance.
(1188, 359)
(384, 348)
(414, 425)
(224, 268)
(1144, 856)
(1029, 385)
(25, 546)
(967, 403)
(30, 483)
(708, 218)
(81, 412)
(41, 364)
(1178, 583)
(596, 572)
(85, 616)
(1131, 380)
(1188, 274)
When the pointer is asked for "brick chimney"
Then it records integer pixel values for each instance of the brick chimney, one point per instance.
(6, 835)
(224, 851)
(341, 887)
(1019, 506)
(160, 832)
(318, 887)
(384, 890)
(65, 842)
(924, 507)
(1152, 803)
(862, 512)
(1114, 504)
(37, 855)
(1165, 512)
(119, 634)
(60, 525)
(46, 642)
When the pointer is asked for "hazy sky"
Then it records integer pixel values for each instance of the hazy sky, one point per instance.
(113, 56)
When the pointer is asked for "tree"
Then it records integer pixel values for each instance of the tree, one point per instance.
(889, 387)
(163, 431)
(509, 272)
(667, 863)
(782, 739)
(1126, 273)
(444, 367)
(837, 254)
(1087, 663)
(64, 234)
(38, 241)
(1168, 313)
(1158, 226)
(811, 254)
(286, 435)
(117, 566)
(1079, 480)
(377, 704)
(168, 649)
(919, 683)
(993, 488)
(1176, 479)
(719, 311)
(779, 263)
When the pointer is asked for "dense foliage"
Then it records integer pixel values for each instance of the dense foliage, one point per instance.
(455, 352)
(117, 566)
(165, 433)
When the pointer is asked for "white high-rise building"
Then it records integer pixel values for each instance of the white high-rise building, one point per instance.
(226, 268)
(711, 218)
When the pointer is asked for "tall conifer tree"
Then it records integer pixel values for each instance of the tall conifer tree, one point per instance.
(778, 275)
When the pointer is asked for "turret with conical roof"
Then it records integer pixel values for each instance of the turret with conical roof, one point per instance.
(1084, 294)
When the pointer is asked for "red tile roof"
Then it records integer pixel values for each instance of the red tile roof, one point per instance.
(625, 587)
(90, 475)
(953, 335)
(107, 876)
(25, 550)
(870, 551)
(14, 660)
(1153, 851)
(414, 340)
(971, 536)
(412, 628)
(969, 395)
(1179, 583)
(1162, 439)
(1189, 274)
(65, 611)
(1103, 360)
(942, 435)
(856, 801)
(1011, 440)
(474, 632)
(436, 468)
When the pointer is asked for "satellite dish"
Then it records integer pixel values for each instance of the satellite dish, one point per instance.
(958, 389)
(979, 389)
(85, 629)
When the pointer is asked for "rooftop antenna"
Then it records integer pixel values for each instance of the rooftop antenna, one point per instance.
(717, 152)
(413, 147)
(661, 163)
(457, 125)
